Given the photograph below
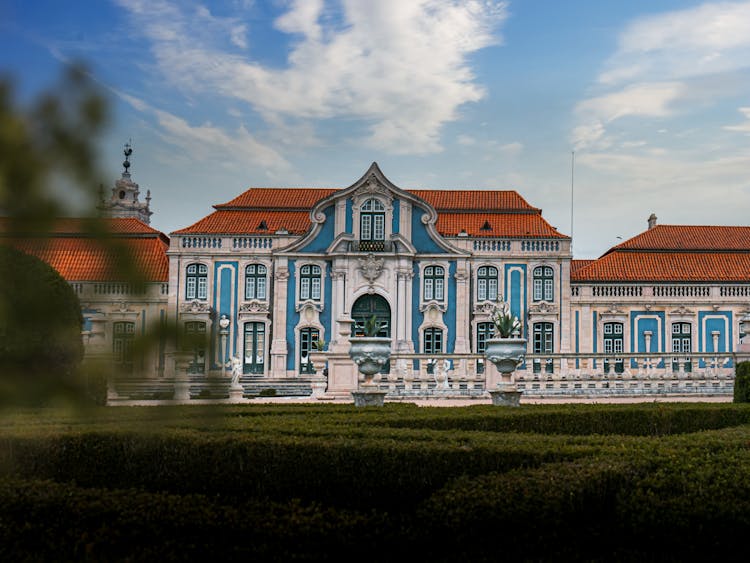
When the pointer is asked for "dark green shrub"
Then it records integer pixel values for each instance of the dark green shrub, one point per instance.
(742, 383)
(40, 330)
(269, 392)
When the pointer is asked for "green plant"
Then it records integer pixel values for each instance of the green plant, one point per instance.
(742, 383)
(372, 326)
(320, 344)
(507, 325)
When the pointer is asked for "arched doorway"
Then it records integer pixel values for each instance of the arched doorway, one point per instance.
(367, 306)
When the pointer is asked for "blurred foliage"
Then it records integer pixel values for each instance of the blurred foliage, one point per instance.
(40, 329)
(47, 157)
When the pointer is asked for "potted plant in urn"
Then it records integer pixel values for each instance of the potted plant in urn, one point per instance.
(370, 353)
(506, 349)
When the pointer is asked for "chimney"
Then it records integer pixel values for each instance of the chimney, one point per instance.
(651, 221)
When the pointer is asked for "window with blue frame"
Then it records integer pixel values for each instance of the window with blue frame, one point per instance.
(487, 283)
(613, 344)
(434, 283)
(196, 282)
(309, 282)
(544, 288)
(255, 282)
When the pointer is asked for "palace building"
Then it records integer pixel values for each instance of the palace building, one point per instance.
(269, 274)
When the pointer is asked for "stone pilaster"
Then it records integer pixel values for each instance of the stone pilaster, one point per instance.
(462, 309)
(278, 347)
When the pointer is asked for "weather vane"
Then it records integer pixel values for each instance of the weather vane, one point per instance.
(127, 152)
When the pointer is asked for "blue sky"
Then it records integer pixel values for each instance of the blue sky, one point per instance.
(653, 97)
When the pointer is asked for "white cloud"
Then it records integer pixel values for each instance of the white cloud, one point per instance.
(706, 39)
(638, 99)
(683, 59)
(400, 67)
(210, 143)
(742, 127)
(511, 149)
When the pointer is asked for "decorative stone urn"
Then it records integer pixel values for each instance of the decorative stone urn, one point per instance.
(506, 354)
(370, 354)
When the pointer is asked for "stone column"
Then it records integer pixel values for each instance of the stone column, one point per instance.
(339, 317)
(462, 309)
(278, 347)
(404, 276)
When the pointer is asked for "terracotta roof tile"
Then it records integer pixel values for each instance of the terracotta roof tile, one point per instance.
(474, 200)
(225, 221)
(518, 225)
(89, 259)
(278, 198)
(689, 237)
(666, 267)
(71, 247)
(576, 265)
(504, 211)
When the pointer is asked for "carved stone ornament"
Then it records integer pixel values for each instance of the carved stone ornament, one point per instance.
(372, 187)
(371, 267)
(195, 306)
(485, 307)
(682, 311)
(254, 306)
(282, 273)
(121, 307)
(542, 308)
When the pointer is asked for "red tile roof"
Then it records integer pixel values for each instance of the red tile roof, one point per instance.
(505, 212)
(517, 225)
(689, 237)
(78, 255)
(237, 221)
(576, 265)
(666, 267)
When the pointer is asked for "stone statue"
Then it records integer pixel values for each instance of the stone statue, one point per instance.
(236, 371)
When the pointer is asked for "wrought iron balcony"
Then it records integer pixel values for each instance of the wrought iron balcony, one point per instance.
(371, 246)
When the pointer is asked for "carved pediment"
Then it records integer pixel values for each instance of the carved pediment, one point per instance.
(195, 306)
(542, 308)
(484, 308)
(254, 306)
(682, 311)
(372, 187)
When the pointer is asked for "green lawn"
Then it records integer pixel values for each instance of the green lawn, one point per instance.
(315, 482)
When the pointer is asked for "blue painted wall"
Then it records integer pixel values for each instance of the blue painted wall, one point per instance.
(515, 293)
(349, 219)
(577, 338)
(325, 237)
(292, 316)
(222, 305)
(709, 321)
(396, 216)
(325, 314)
(416, 315)
(638, 338)
(450, 312)
(87, 314)
(596, 338)
(419, 236)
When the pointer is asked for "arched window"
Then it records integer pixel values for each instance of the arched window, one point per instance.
(544, 284)
(309, 282)
(434, 283)
(613, 344)
(196, 282)
(255, 282)
(487, 283)
(372, 221)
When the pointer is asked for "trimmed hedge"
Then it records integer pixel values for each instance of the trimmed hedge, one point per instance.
(301, 483)
(742, 383)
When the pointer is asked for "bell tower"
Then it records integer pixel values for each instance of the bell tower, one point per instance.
(123, 202)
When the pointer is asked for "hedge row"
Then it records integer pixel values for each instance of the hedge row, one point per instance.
(742, 383)
(359, 472)
(47, 521)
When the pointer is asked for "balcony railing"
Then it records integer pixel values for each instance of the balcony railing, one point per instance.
(371, 246)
